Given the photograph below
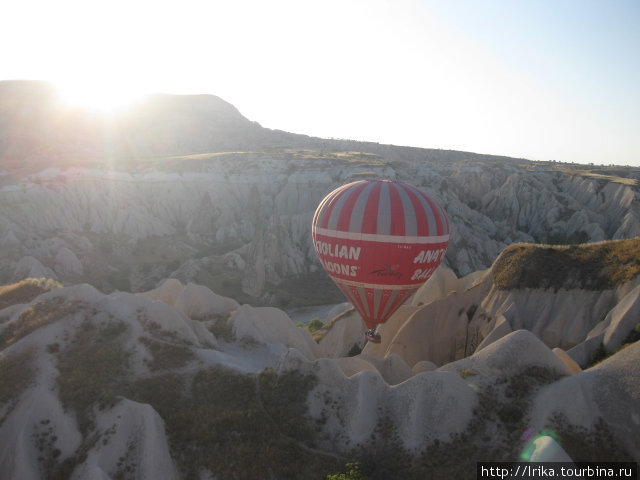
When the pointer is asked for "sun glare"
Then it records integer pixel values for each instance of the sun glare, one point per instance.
(97, 98)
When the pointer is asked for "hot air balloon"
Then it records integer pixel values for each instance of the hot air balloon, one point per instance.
(379, 240)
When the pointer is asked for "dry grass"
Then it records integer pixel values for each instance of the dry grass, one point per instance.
(25, 291)
(601, 176)
(236, 425)
(594, 266)
(16, 374)
(167, 355)
(34, 317)
(232, 424)
(596, 444)
(90, 368)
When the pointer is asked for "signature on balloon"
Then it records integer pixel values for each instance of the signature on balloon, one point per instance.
(387, 271)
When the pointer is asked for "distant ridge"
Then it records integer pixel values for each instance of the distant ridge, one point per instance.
(34, 126)
(35, 123)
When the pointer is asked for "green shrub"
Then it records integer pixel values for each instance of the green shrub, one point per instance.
(315, 325)
(354, 472)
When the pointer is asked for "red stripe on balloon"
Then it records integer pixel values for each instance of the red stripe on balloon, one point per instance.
(347, 209)
(421, 215)
(438, 214)
(355, 301)
(330, 204)
(370, 216)
(402, 297)
(397, 211)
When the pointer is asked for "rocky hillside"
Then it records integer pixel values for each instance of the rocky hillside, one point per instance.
(240, 222)
(514, 349)
(186, 187)
(179, 382)
(584, 300)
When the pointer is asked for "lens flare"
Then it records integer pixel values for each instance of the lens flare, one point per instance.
(530, 447)
(96, 97)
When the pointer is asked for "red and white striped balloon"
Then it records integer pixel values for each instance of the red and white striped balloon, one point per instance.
(379, 240)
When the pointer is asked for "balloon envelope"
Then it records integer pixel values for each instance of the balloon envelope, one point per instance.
(379, 240)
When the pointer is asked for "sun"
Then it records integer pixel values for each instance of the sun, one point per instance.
(97, 97)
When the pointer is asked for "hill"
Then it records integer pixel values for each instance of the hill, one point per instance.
(179, 382)
(36, 126)
(187, 187)
(239, 222)
(182, 197)
(583, 299)
(595, 266)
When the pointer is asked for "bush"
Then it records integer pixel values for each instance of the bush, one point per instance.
(315, 325)
(354, 472)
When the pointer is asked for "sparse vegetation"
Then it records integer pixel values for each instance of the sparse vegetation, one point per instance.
(596, 444)
(354, 472)
(315, 325)
(221, 327)
(166, 355)
(596, 175)
(25, 290)
(34, 317)
(504, 406)
(90, 369)
(219, 418)
(16, 374)
(601, 353)
(561, 238)
(284, 398)
(594, 266)
(45, 440)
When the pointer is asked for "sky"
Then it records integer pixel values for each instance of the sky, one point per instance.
(537, 79)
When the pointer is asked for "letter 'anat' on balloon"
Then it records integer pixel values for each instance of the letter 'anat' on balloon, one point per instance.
(379, 241)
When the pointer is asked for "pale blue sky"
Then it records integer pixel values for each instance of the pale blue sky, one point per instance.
(539, 79)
